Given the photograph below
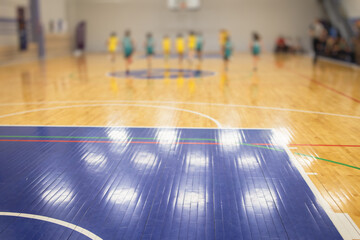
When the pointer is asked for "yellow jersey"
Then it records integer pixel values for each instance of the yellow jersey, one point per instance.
(222, 38)
(166, 44)
(112, 44)
(180, 45)
(192, 42)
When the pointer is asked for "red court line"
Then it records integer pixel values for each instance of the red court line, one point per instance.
(325, 86)
(82, 141)
(307, 145)
(323, 145)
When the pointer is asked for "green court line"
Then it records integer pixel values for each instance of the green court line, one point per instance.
(305, 155)
(187, 139)
(259, 146)
(327, 160)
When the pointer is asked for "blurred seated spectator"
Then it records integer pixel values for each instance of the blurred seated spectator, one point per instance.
(281, 46)
(288, 45)
(327, 43)
(357, 43)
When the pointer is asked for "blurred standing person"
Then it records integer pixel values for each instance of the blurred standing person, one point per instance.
(316, 31)
(191, 46)
(128, 49)
(180, 48)
(227, 52)
(255, 47)
(149, 48)
(112, 44)
(199, 52)
(166, 44)
(222, 40)
(199, 46)
(357, 43)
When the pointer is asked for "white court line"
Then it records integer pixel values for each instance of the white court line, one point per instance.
(55, 221)
(170, 127)
(347, 228)
(117, 104)
(311, 173)
(188, 103)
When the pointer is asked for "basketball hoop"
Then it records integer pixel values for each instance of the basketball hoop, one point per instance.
(182, 5)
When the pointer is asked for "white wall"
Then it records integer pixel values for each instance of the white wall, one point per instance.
(52, 10)
(352, 8)
(241, 17)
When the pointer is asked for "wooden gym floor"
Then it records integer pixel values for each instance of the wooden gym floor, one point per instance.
(314, 110)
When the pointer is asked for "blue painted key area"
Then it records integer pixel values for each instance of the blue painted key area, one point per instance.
(153, 183)
(162, 74)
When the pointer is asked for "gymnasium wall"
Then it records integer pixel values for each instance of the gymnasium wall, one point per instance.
(241, 17)
(52, 10)
(352, 8)
(58, 40)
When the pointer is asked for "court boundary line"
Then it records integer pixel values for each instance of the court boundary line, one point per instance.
(341, 226)
(117, 104)
(189, 103)
(71, 226)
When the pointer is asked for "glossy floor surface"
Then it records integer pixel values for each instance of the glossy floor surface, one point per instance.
(314, 110)
(158, 183)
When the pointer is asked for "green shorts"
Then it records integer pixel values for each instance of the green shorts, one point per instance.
(128, 52)
(149, 51)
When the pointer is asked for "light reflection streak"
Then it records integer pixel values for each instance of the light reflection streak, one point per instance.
(188, 198)
(248, 162)
(197, 159)
(122, 134)
(281, 137)
(168, 138)
(122, 196)
(263, 198)
(230, 139)
(59, 195)
(145, 158)
(95, 159)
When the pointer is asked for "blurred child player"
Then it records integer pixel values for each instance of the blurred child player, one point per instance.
(255, 47)
(166, 43)
(199, 46)
(227, 52)
(222, 40)
(112, 44)
(128, 49)
(149, 48)
(180, 47)
(191, 45)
